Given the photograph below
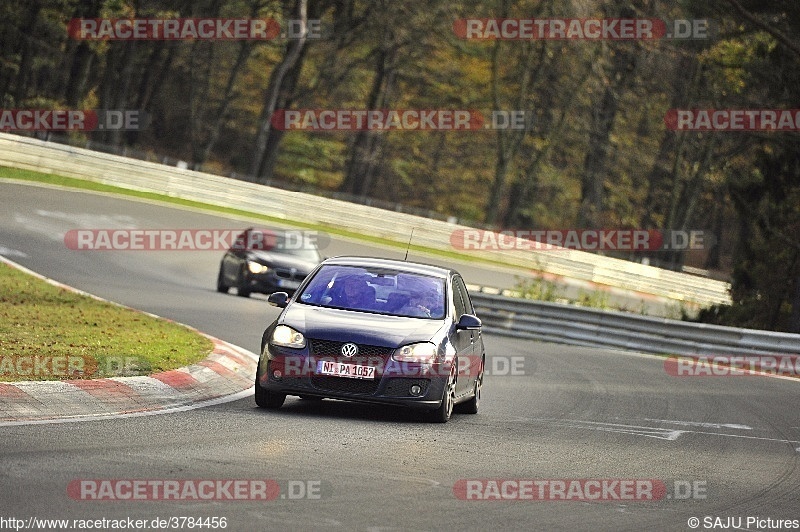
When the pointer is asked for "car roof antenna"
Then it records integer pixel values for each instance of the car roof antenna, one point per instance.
(409, 244)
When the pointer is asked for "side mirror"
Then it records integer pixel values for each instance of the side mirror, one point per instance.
(468, 322)
(278, 299)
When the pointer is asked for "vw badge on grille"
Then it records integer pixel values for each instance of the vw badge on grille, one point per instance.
(350, 350)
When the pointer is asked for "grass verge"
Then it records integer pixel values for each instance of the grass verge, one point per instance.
(50, 333)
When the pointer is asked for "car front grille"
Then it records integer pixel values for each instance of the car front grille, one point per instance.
(371, 355)
(334, 349)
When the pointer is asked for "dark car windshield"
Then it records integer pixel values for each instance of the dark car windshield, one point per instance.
(383, 291)
(287, 242)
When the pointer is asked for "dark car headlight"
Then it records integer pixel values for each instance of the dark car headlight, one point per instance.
(423, 353)
(256, 267)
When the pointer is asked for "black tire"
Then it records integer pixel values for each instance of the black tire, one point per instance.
(221, 286)
(241, 291)
(445, 410)
(471, 406)
(265, 398)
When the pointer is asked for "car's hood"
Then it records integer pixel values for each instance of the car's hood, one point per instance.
(359, 327)
(282, 260)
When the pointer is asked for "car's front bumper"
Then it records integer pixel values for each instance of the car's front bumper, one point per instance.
(395, 384)
(267, 283)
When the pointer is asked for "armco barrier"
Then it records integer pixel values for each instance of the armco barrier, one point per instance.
(552, 322)
(33, 154)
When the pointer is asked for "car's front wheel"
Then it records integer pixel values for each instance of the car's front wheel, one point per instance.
(267, 399)
(445, 410)
(221, 286)
(241, 291)
(471, 406)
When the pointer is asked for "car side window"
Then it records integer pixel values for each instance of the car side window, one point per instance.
(462, 290)
(458, 299)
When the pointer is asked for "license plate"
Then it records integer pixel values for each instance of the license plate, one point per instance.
(339, 369)
(284, 283)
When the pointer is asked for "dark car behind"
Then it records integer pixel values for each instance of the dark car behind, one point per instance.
(267, 261)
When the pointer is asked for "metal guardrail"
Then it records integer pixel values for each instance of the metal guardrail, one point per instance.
(566, 324)
(33, 154)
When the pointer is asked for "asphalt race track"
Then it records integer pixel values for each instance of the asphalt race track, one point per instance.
(725, 448)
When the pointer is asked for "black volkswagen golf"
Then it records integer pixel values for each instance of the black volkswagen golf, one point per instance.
(375, 330)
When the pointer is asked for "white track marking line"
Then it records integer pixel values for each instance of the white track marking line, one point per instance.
(702, 424)
(639, 430)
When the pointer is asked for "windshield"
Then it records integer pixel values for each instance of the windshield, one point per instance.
(285, 242)
(288, 247)
(382, 291)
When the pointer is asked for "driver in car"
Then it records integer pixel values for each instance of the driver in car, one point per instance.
(420, 305)
(355, 293)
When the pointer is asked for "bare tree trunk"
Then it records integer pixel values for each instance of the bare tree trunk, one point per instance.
(285, 100)
(116, 83)
(717, 224)
(26, 49)
(617, 79)
(509, 141)
(361, 165)
(602, 124)
(157, 71)
(523, 195)
(198, 95)
(276, 85)
(794, 317)
(227, 98)
(123, 87)
(80, 59)
(245, 49)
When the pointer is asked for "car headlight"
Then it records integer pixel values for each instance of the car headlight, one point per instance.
(256, 267)
(288, 337)
(424, 353)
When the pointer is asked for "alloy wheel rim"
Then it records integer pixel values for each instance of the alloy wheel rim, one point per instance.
(450, 398)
